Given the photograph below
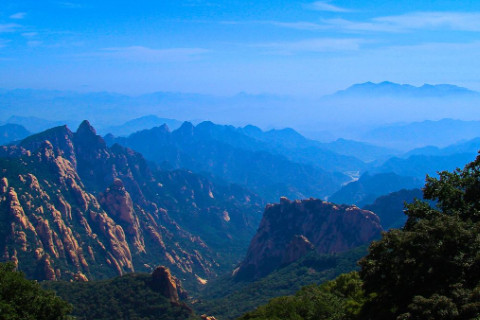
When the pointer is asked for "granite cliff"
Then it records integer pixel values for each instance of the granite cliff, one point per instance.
(291, 229)
(73, 208)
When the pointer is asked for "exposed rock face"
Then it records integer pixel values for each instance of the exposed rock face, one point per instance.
(45, 229)
(292, 228)
(72, 208)
(297, 248)
(163, 282)
(118, 203)
(60, 137)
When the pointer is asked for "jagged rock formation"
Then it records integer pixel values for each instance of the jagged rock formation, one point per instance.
(73, 208)
(265, 167)
(163, 281)
(291, 229)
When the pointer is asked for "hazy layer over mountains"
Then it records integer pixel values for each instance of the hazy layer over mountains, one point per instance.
(363, 112)
(195, 189)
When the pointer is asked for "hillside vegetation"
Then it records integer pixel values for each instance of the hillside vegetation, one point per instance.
(426, 270)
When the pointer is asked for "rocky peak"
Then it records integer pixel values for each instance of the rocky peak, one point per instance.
(206, 127)
(186, 130)
(160, 133)
(46, 152)
(86, 137)
(290, 229)
(164, 128)
(86, 129)
(111, 211)
(60, 138)
(164, 282)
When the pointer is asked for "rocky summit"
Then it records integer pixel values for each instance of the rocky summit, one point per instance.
(73, 208)
(291, 229)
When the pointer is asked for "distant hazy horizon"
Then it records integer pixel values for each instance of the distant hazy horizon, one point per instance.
(316, 66)
(295, 48)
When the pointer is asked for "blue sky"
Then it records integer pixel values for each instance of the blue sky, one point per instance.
(303, 48)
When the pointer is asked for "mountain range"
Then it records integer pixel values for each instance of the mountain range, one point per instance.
(265, 162)
(140, 124)
(12, 132)
(370, 186)
(346, 114)
(407, 136)
(387, 88)
(80, 209)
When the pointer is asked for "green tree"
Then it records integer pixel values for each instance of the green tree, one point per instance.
(430, 269)
(22, 299)
(339, 299)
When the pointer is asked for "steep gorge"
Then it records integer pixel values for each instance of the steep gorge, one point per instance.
(73, 208)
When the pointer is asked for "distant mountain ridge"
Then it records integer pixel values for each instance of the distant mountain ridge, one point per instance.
(470, 146)
(439, 133)
(390, 208)
(11, 132)
(35, 124)
(264, 162)
(107, 109)
(333, 116)
(370, 186)
(420, 165)
(387, 88)
(142, 123)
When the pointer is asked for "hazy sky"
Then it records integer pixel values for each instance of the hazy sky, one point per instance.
(225, 47)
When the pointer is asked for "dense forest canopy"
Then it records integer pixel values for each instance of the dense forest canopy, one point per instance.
(22, 299)
(429, 269)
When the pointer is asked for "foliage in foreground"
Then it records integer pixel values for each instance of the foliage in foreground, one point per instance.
(428, 270)
(22, 299)
(431, 268)
(338, 299)
(131, 296)
(227, 298)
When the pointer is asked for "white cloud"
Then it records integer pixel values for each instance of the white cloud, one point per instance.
(458, 21)
(29, 34)
(462, 21)
(70, 5)
(356, 26)
(9, 27)
(18, 15)
(299, 25)
(34, 43)
(145, 54)
(314, 45)
(326, 6)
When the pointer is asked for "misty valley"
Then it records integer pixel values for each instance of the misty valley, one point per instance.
(163, 219)
(239, 160)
